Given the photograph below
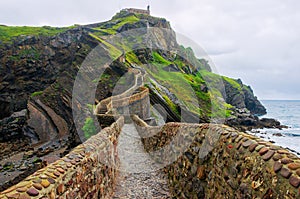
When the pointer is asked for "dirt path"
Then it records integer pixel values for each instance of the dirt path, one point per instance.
(139, 175)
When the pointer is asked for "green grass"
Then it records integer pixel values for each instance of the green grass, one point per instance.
(233, 83)
(103, 77)
(31, 53)
(132, 58)
(187, 88)
(113, 51)
(89, 128)
(175, 82)
(157, 58)
(126, 20)
(171, 104)
(7, 33)
(113, 30)
(91, 107)
(36, 93)
(105, 31)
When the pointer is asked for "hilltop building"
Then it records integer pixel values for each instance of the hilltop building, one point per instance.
(138, 11)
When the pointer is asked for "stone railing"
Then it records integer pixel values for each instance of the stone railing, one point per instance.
(220, 162)
(88, 171)
(141, 94)
(106, 103)
(138, 103)
(135, 100)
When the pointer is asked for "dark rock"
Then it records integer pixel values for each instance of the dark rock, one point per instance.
(171, 68)
(32, 192)
(243, 99)
(248, 143)
(277, 166)
(294, 181)
(248, 122)
(11, 127)
(268, 155)
(286, 160)
(252, 147)
(190, 156)
(269, 123)
(263, 151)
(294, 166)
(286, 173)
(268, 194)
(277, 156)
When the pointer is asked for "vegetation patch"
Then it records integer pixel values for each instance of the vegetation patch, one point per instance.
(36, 93)
(9, 32)
(204, 103)
(104, 31)
(157, 58)
(89, 128)
(26, 53)
(126, 20)
(113, 51)
(233, 83)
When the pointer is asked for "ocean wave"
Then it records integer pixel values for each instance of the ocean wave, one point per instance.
(293, 132)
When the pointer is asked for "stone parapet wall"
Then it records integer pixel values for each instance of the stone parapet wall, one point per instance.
(142, 93)
(137, 104)
(220, 162)
(88, 171)
(106, 103)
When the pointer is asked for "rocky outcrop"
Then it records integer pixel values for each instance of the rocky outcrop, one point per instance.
(37, 74)
(241, 96)
(11, 127)
(245, 121)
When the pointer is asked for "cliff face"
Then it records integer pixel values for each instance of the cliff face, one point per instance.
(38, 68)
(241, 96)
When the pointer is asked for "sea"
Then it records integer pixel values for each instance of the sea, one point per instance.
(288, 113)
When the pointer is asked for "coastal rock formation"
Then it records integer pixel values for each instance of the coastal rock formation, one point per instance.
(241, 96)
(38, 67)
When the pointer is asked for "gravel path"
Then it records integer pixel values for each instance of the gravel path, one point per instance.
(139, 177)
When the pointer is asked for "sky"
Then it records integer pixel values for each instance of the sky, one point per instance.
(257, 41)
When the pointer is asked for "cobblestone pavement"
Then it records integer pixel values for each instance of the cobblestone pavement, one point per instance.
(139, 177)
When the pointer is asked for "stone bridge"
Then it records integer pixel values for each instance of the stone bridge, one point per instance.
(130, 159)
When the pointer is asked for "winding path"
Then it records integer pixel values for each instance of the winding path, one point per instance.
(140, 176)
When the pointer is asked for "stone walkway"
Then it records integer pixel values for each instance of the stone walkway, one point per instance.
(139, 177)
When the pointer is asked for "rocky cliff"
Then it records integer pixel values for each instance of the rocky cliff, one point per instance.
(38, 67)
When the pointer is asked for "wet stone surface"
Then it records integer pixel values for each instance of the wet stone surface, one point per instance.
(139, 176)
